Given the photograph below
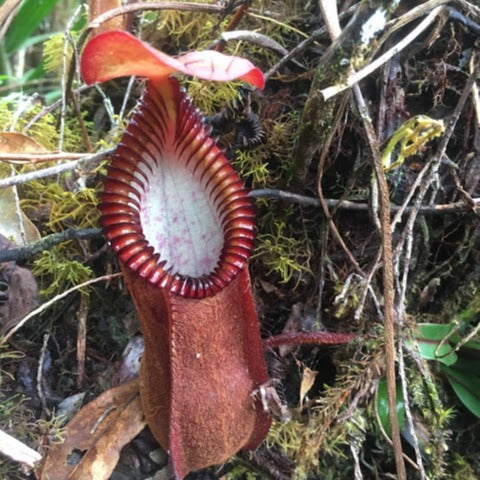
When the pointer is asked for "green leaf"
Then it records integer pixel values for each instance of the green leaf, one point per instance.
(473, 344)
(33, 40)
(382, 406)
(468, 365)
(466, 386)
(429, 341)
(29, 16)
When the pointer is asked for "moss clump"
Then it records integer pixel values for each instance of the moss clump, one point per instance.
(53, 53)
(14, 118)
(252, 165)
(283, 253)
(210, 97)
(57, 271)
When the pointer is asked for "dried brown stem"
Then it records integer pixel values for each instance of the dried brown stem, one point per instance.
(234, 21)
(81, 339)
(388, 281)
(340, 204)
(81, 122)
(32, 158)
(323, 156)
(310, 338)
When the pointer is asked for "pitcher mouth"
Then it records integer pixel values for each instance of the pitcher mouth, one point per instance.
(173, 208)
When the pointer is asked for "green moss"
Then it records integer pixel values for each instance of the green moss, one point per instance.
(43, 130)
(57, 272)
(61, 208)
(280, 133)
(58, 209)
(462, 469)
(53, 49)
(253, 166)
(188, 30)
(211, 97)
(284, 254)
(243, 472)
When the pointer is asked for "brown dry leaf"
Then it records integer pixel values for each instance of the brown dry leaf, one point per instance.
(14, 142)
(10, 223)
(308, 379)
(95, 436)
(22, 298)
(18, 290)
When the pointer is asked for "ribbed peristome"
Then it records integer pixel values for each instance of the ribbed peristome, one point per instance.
(173, 208)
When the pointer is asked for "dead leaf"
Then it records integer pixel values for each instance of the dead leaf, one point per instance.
(308, 379)
(14, 142)
(95, 436)
(22, 298)
(18, 289)
(10, 223)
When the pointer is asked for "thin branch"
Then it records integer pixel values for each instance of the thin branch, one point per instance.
(388, 281)
(321, 165)
(253, 37)
(49, 109)
(308, 338)
(46, 172)
(355, 77)
(18, 451)
(32, 158)
(21, 255)
(423, 182)
(303, 45)
(408, 412)
(41, 362)
(144, 6)
(24, 254)
(234, 21)
(460, 17)
(339, 204)
(82, 315)
(295, 51)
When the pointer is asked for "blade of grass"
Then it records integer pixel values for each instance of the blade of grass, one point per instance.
(29, 16)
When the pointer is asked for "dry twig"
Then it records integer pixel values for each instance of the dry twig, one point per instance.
(355, 77)
(18, 451)
(388, 280)
(46, 172)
